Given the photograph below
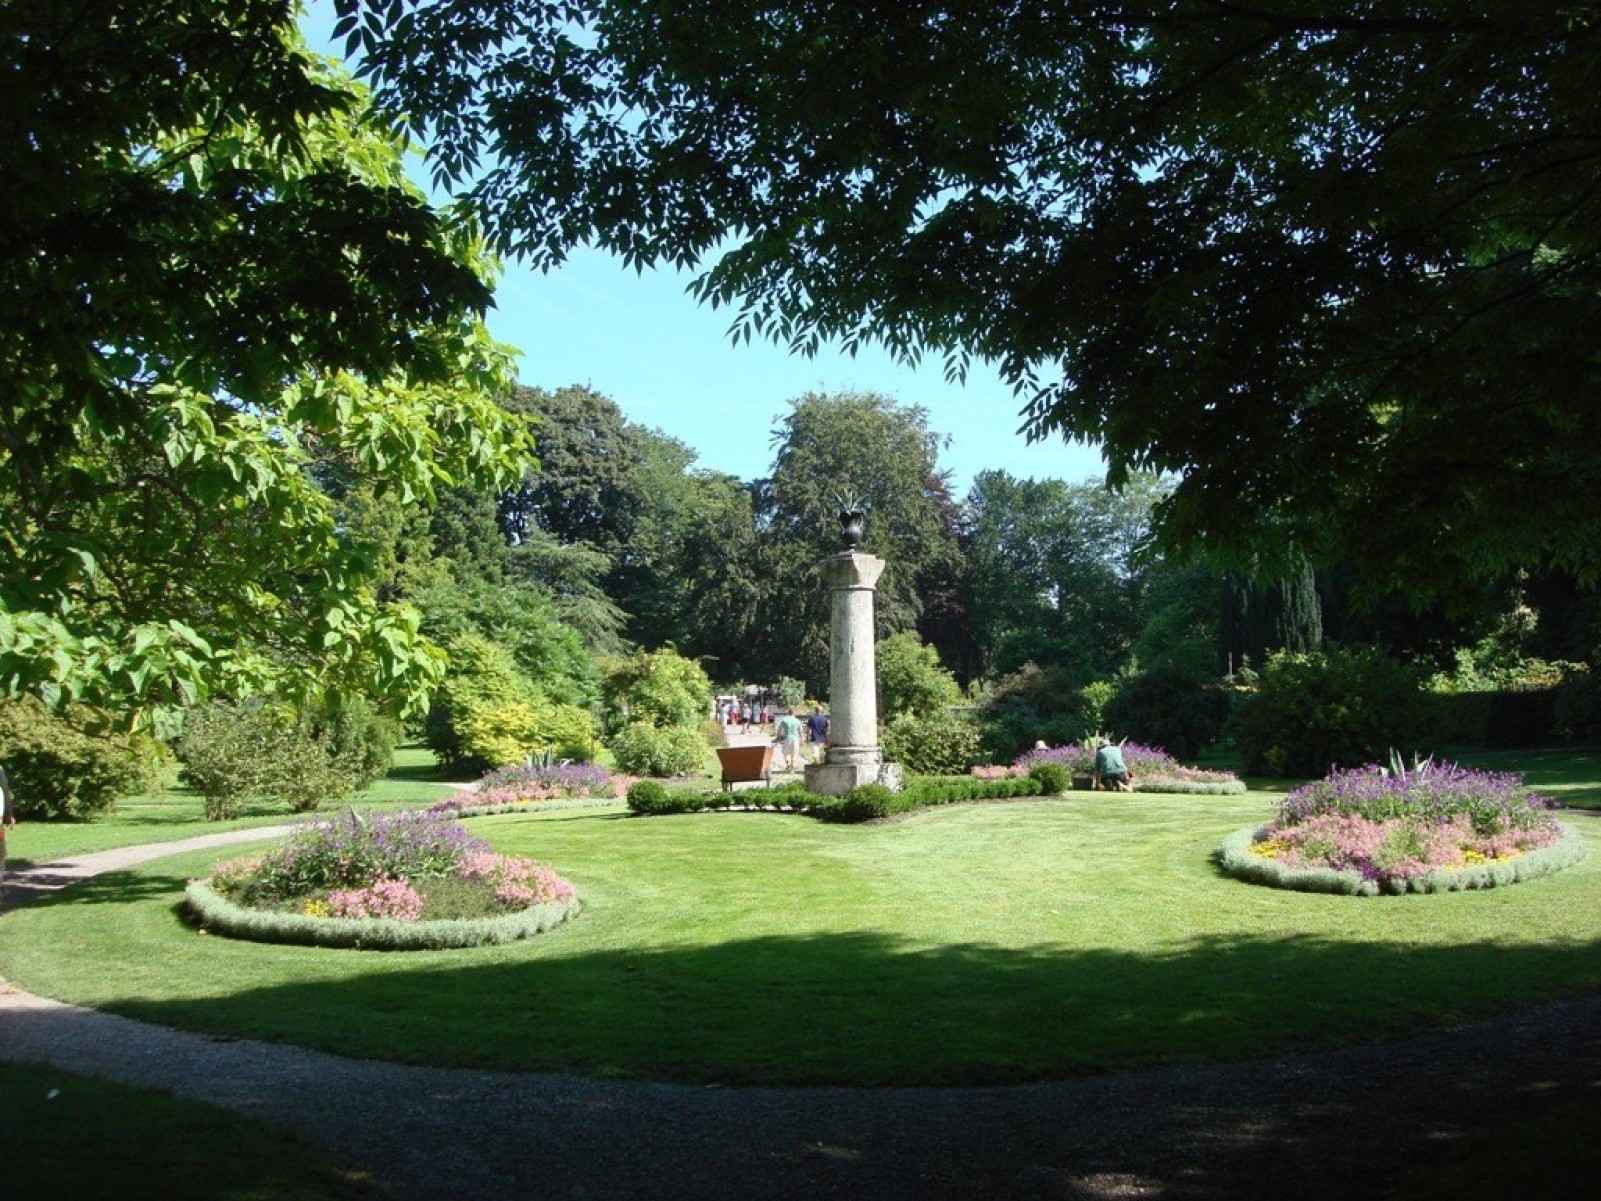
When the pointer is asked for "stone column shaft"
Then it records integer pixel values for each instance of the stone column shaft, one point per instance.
(853, 675)
(853, 756)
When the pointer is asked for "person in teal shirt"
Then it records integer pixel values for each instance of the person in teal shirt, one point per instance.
(1110, 770)
(788, 736)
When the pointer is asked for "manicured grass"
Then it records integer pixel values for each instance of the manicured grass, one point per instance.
(70, 1137)
(992, 942)
(176, 813)
(1572, 777)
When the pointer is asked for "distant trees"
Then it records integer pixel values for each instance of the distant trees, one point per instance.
(1057, 572)
(870, 450)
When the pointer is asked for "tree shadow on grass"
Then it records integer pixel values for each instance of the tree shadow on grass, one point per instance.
(41, 888)
(865, 1008)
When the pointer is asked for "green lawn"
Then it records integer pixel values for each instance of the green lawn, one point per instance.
(1569, 776)
(67, 1136)
(176, 813)
(991, 942)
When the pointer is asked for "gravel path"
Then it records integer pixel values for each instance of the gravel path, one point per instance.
(1309, 1126)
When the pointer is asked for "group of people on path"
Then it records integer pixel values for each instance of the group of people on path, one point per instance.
(791, 730)
(744, 714)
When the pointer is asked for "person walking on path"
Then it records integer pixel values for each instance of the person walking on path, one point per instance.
(8, 818)
(788, 737)
(817, 733)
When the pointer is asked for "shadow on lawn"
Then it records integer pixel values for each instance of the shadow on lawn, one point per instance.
(41, 888)
(863, 1008)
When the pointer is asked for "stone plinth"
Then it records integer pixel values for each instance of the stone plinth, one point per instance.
(836, 779)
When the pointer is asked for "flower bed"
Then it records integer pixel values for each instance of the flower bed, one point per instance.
(1437, 828)
(509, 789)
(407, 880)
(1153, 769)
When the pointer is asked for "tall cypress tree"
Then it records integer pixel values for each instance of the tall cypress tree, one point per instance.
(1265, 616)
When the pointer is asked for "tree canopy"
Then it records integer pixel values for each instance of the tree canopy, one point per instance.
(218, 291)
(866, 449)
(1337, 269)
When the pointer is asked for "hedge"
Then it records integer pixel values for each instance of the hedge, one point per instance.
(867, 803)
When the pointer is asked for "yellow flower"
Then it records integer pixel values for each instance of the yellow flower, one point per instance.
(316, 907)
(1268, 849)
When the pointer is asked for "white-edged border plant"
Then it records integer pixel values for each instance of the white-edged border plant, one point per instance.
(408, 880)
(218, 915)
(1237, 859)
(1433, 827)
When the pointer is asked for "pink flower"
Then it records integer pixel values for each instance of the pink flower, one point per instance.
(517, 882)
(385, 897)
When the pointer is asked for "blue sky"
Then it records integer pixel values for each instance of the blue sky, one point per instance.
(669, 364)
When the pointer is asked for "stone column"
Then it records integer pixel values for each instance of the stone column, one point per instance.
(853, 756)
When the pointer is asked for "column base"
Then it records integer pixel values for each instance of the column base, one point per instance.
(836, 779)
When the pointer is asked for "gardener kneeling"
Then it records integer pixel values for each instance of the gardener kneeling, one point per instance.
(1110, 770)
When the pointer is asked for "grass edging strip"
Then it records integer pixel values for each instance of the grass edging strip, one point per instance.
(1192, 787)
(462, 809)
(219, 915)
(1236, 859)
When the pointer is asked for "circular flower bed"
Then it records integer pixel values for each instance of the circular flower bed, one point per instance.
(1437, 828)
(399, 881)
(1153, 769)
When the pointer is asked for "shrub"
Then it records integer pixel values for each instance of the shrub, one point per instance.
(645, 750)
(483, 712)
(1030, 705)
(258, 751)
(1313, 711)
(658, 688)
(1578, 708)
(567, 731)
(1168, 708)
(1052, 779)
(357, 734)
(791, 693)
(911, 681)
(648, 796)
(61, 769)
(932, 746)
(867, 802)
(488, 714)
